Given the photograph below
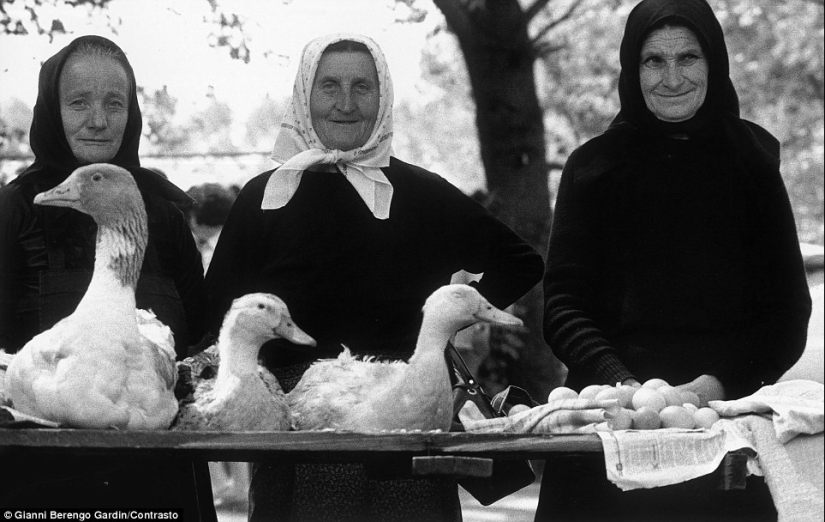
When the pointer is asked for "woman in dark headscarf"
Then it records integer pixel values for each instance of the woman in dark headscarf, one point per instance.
(48, 252)
(674, 252)
(87, 112)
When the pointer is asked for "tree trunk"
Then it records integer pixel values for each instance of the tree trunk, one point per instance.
(494, 40)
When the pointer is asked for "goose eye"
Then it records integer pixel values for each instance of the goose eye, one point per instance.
(97, 176)
(261, 306)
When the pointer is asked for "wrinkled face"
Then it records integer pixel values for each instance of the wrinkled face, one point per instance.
(344, 99)
(673, 73)
(94, 106)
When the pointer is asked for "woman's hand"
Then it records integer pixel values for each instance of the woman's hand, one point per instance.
(707, 387)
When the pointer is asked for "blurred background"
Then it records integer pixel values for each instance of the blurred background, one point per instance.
(491, 94)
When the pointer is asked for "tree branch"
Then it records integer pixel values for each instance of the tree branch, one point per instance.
(534, 9)
(553, 24)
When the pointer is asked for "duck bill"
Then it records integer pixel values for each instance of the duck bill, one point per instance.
(495, 316)
(290, 331)
(63, 195)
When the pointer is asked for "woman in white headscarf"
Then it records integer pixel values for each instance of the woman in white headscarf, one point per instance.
(354, 240)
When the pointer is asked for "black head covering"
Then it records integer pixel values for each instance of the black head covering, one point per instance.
(719, 114)
(697, 16)
(54, 160)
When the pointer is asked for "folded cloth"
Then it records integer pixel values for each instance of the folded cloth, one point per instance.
(793, 471)
(797, 407)
(562, 416)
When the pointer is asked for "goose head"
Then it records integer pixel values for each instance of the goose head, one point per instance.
(260, 317)
(107, 193)
(453, 307)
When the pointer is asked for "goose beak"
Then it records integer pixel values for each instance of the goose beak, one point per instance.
(64, 195)
(490, 314)
(290, 331)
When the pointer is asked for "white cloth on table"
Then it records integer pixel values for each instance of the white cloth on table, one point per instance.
(793, 470)
(796, 407)
(784, 421)
(562, 416)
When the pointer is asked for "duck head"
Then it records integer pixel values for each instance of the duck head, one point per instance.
(105, 192)
(266, 317)
(458, 306)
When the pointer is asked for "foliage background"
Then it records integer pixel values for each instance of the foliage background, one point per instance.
(776, 50)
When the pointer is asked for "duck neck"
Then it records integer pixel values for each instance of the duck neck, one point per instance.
(427, 366)
(118, 258)
(238, 353)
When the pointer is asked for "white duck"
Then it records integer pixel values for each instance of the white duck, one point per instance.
(94, 368)
(364, 395)
(244, 396)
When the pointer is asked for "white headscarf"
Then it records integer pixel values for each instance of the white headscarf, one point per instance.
(298, 147)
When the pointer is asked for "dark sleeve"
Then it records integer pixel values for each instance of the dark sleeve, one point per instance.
(510, 266)
(181, 261)
(776, 337)
(235, 258)
(571, 328)
(10, 225)
(189, 278)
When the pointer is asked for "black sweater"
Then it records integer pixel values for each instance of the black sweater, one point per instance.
(671, 258)
(350, 278)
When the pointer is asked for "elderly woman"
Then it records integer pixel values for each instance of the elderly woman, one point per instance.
(87, 112)
(354, 240)
(674, 252)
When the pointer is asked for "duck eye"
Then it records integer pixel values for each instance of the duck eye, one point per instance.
(261, 306)
(97, 176)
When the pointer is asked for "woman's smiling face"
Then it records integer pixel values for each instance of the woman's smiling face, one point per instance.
(673, 73)
(344, 100)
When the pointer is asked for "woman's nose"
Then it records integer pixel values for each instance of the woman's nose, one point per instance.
(345, 101)
(97, 118)
(672, 75)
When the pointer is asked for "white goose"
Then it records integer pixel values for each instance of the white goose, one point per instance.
(243, 396)
(363, 395)
(94, 368)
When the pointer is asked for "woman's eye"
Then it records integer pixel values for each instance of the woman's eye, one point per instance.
(328, 87)
(116, 104)
(688, 59)
(653, 62)
(362, 88)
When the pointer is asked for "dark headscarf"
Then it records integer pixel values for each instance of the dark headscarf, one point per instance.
(720, 110)
(54, 159)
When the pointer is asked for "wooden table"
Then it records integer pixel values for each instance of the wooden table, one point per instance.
(461, 454)
(296, 446)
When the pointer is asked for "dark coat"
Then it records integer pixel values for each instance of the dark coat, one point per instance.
(674, 250)
(349, 278)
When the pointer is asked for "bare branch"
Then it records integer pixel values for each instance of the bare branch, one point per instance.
(535, 9)
(561, 19)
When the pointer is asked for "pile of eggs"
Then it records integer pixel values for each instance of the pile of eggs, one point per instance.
(655, 404)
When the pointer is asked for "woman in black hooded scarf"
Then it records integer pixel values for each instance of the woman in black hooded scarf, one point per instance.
(674, 254)
(87, 112)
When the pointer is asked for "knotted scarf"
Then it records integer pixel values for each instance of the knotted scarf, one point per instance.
(297, 146)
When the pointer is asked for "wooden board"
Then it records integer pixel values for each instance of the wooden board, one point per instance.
(297, 446)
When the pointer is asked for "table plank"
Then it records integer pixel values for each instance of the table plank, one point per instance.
(249, 446)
